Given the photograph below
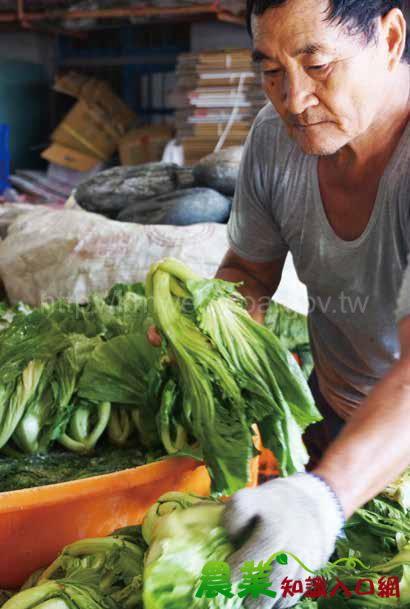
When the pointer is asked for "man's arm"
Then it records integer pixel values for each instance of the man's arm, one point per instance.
(260, 280)
(304, 513)
(374, 448)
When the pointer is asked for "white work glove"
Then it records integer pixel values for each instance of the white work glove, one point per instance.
(300, 514)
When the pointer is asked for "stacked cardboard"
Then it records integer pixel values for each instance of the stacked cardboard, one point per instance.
(217, 97)
(236, 7)
(92, 130)
(145, 144)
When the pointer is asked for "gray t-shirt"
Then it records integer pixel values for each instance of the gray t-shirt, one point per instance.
(353, 287)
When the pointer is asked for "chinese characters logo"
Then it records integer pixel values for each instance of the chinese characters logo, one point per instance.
(216, 579)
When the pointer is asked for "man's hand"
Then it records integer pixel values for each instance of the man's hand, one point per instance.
(154, 336)
(300, 515)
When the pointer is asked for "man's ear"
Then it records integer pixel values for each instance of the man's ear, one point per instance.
(394, 32)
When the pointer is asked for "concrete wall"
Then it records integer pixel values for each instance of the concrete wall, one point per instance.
(28, 63)
(217, 36)
(31, 47)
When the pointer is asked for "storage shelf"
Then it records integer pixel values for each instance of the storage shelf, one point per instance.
(148, 12)
(166, 64)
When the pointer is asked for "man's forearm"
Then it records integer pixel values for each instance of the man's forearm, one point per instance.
(374, 448)
(257, 295)
(260, 280)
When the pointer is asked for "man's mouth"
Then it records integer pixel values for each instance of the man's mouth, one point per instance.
(307, 126)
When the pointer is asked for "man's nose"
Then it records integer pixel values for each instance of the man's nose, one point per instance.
(298, 93)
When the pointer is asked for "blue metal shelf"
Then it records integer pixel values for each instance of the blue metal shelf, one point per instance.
(136, 51)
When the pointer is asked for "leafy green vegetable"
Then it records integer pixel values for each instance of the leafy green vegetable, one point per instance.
(103, 573)
(400, 490)
(341, 601)
(72, 318)
(6, 316)
(124, 311)
(305, 354)
(28, 338)
(5, 595)
(118, 371)
(116, 558)
(270, 379)
(378, 534)
(183, 542)
(63, 594)
(169, 419)
(126, 370)
(291, 327)
(51, 405)
(307, 603)
(120, 426)
(170, 502)
(116, 294)
(86, 427)
(184, 532)
(32, 580)
(231, 372)
(36, 416)
(212, 401)
(292, 330)
(127, 317)
(16, 396)
(373, 531)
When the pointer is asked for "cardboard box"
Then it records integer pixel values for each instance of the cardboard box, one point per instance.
(144, 145)
(98, 94)
(71, 83)
(85, 130)
(68, 157)
(91, 131)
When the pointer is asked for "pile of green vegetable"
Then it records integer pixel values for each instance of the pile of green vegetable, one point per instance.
(379, 535)
(45, 354)
(101, 573)
(77, 378)
(159, 565)
(85, 378)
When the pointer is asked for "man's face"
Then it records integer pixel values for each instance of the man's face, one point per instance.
(328, 86)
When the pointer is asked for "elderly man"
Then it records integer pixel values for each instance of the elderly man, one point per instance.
(325, 176)
(329, 181)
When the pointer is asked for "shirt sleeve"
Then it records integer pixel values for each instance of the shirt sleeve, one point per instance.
(403, 303)
(252, 231)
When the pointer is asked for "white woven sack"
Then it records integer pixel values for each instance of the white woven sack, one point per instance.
(69, 254)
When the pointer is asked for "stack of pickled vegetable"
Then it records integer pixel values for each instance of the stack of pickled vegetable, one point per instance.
(46, 356)
(81, 376)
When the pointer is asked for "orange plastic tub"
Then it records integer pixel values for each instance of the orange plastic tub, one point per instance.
(35, 524)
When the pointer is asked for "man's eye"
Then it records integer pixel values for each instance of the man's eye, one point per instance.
(271, 72)
(318, 68)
